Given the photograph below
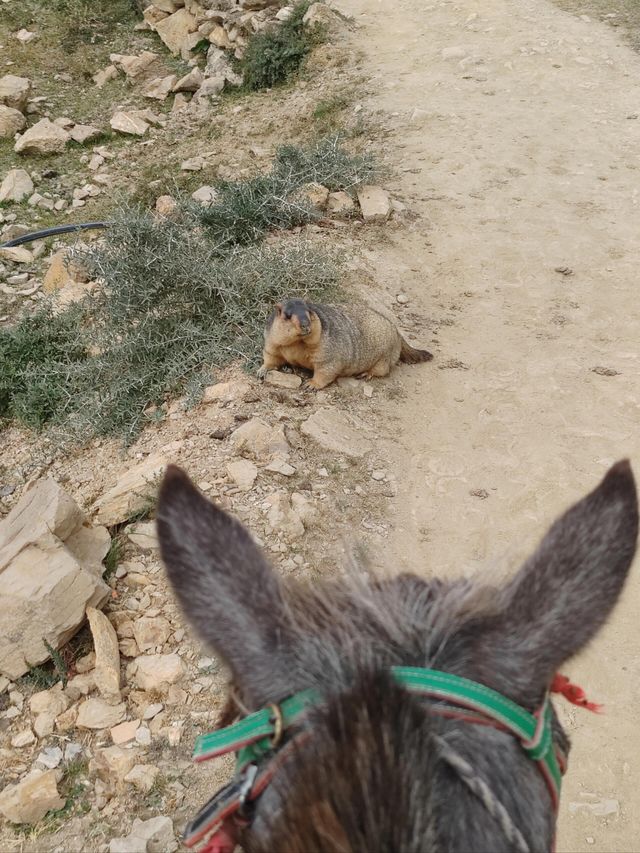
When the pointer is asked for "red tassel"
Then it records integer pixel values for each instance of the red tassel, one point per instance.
(573, 693)
(224, 840)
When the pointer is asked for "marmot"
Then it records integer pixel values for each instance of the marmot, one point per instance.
(334, 341)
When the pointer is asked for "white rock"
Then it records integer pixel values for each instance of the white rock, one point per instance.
(107, 668)
(129, 123)
(16, 186)
(14, 91)
(160, 87)
(44, 588)
(191, 82)
(150, 632)
(24, 738)
(44, 137)
(131, 492)
(16, 254)
(50, 757)
(25, 36)
(84, 133)
(205, 195)
(29, 800)
(210, 88)
(142, 776)
(279, 466)
(454, 52)
(243, 473)
(156, 671)
(282, 517)
(263, 442)
(144, 535)
(11, 122)
(318, 14)
(97, 714)
(340, 204)
(334, 430)
(132, 66)
(375, 203)
(51, 701)
(175, 29)
(193, 164)
(283, 380)
(103, 76)
(147, 836)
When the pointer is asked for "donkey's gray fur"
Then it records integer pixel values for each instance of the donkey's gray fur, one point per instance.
(375, 773)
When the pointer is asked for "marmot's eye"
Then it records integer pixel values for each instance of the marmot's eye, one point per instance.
(287, 316)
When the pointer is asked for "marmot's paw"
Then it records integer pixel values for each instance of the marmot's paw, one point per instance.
(262, 372)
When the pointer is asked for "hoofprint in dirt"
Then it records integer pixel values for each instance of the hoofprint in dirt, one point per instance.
(523, 177)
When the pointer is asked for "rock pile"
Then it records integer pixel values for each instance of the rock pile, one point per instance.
(46, 550)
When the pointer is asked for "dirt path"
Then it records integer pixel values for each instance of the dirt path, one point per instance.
(514, 127)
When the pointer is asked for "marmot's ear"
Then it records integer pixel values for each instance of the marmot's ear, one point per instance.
(279, 309)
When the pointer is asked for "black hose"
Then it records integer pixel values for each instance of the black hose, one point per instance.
(49, 232)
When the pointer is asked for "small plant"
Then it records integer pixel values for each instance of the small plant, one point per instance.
(275, 56)
(114, 556)
(58, 663)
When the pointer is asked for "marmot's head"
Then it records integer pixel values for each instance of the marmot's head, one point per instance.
(293, 319)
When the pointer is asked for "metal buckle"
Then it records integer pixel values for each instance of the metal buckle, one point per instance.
(250, 773)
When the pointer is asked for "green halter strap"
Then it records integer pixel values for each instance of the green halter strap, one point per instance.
(252, 738)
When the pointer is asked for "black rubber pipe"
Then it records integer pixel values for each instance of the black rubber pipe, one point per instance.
(50, 232)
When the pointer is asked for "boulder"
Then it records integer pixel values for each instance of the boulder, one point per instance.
(44, 137)
(175, 29)
(131, 493)
(11, 122)
(29, 801)
(14, 91)
(375, 204)
(49, 701)
(17, 185)
(16, 254)
(336, 431)
(45, 584)
(61, 273)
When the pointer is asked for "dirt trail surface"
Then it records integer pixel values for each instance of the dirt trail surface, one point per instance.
(515, 129)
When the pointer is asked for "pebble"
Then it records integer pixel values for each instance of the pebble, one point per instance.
(378, 475)
(22, 739)
(402, 298)
(50, 757)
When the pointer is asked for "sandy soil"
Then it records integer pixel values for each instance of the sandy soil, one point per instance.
(516, 132)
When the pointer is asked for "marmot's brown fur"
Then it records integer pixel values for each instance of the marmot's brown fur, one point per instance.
(334, 341)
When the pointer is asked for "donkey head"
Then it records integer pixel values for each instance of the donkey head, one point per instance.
(372, 773)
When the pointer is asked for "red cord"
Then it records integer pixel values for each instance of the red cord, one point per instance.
(573, 693)
(224, 840)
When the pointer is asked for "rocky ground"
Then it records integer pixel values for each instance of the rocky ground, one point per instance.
(139, 110)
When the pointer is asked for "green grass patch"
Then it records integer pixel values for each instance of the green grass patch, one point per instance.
(246, 210)
(276, 55)
(177, 298)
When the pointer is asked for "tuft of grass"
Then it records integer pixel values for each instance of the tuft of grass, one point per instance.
(58, 663)
(246, 210)
(114, 556)
(33, 354)
(275, 56)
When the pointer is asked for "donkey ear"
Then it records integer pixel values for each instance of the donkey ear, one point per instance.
(564, 593)
(227, 590)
